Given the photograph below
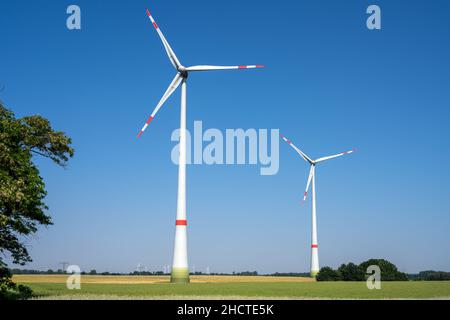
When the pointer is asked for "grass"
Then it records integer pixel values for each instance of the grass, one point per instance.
(228, 287)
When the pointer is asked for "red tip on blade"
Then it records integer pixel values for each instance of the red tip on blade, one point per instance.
(140, 134)
(149, 119)
(148, 12)
(260, 66)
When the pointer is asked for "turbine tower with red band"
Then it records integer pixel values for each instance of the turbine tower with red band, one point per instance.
(312, 181)
(180, 269)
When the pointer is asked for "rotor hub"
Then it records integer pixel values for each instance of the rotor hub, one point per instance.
(184, 74)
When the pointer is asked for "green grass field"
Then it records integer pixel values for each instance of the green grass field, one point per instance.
(53, 287)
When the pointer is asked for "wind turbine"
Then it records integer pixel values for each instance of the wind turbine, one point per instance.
(312, 180)
(180, 269)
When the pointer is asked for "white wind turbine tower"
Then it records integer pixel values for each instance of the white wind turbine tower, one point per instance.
(180, 269)
(312, 180)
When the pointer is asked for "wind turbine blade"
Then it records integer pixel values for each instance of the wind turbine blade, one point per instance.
(173, 58)
(304, 156)
(172, 87)
(311, 174)
(211, 68)
(334, 156)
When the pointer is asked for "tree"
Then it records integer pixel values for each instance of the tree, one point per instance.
(388, 270)
(351, 272)
(328, 274)
(22, 189)
(431, 275)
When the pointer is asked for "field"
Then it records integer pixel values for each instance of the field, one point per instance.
(226, 287)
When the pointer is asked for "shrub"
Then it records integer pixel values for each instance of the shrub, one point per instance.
(9, 290)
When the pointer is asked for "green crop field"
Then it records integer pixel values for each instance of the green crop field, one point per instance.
(119, 287)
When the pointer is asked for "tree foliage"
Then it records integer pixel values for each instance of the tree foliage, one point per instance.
(389, 271)
(353, 272)
(328, 274)
(431, 275)
(22, 189)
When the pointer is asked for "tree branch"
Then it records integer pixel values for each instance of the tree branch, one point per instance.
(40, 153)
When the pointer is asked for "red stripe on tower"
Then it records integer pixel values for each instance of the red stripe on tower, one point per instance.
(181, 223)
(314, 246)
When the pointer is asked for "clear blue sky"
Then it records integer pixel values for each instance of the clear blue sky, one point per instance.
(329, 84)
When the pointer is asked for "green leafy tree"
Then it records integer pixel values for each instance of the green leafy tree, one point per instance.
(328, 274)
(389, 271)
(431, 275)
(22, 189)
(351, 272)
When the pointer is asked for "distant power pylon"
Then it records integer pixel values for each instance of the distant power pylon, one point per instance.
(64, 265)
(166, 269)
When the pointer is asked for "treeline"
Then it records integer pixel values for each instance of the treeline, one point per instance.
(134, 273)
(92, 272)
(29, 271)
(346, 272)
(245, 273)
(431, 275)
(353, 272)
(289, 274)
(159, 273)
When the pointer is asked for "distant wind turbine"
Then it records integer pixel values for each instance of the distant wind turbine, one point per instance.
(312, 180)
